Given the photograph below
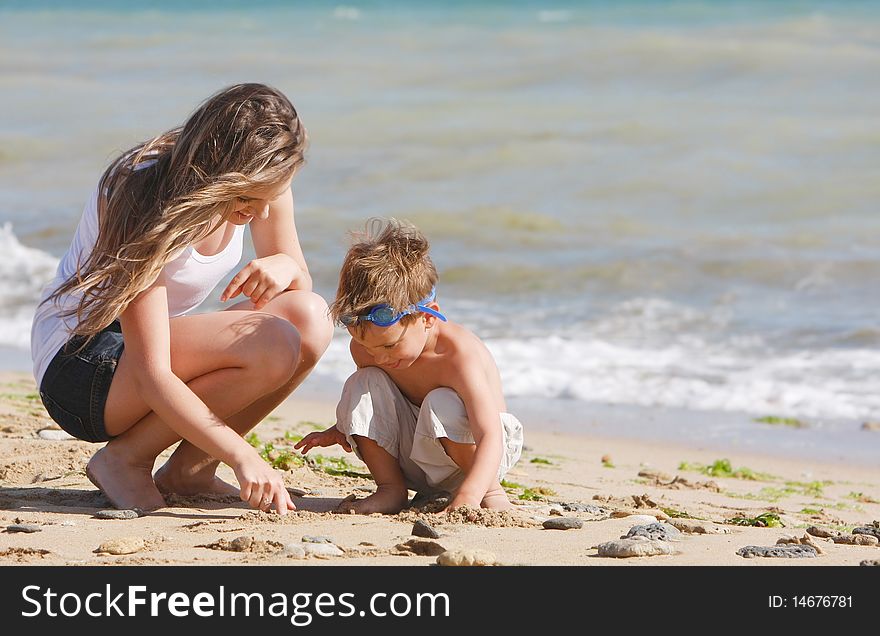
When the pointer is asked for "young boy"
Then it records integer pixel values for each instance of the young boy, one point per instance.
(424, 410)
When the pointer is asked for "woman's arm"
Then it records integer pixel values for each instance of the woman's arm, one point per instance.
(146, 330)
(277, 235)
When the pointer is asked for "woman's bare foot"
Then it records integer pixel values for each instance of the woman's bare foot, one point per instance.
(126, 484)
(192, 482)
(496, 499)
(388, 500)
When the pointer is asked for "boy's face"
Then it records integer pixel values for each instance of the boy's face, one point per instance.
(397, 346)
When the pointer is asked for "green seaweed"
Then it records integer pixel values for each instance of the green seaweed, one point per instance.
(510, 484)
(678, 514)
(607, 464)
(811, 511)
(538, 493)
(775, 420)
(285, 460)
(540, 460)
(723, 468)
(253, 440)
(290, 436)
(337, 466)
(811, 488)
(861, 497)
(763, 520)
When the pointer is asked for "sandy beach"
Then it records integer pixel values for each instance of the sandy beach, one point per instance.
(609, 485)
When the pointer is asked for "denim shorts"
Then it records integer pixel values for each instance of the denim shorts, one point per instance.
(77, 381)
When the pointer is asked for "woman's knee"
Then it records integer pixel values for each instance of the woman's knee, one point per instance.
(309, 313)
(276, 353)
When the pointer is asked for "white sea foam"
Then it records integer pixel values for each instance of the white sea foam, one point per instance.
(23, 273)
(823, 384)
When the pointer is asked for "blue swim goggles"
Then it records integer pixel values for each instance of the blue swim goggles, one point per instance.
(385, 316)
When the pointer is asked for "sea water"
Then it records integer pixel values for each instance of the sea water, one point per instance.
(642, 207)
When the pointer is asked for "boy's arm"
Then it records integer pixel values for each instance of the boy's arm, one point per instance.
(473, 388)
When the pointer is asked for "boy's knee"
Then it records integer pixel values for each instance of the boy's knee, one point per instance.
(366, 380)
(444, 415)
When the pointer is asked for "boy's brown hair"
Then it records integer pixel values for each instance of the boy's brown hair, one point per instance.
(387, 264)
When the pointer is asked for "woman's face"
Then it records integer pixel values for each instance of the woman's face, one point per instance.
(255, 204)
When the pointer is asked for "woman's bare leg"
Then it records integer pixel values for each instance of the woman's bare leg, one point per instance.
(230, 360)
(190, 470)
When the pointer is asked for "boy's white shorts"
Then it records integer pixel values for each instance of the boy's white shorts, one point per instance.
(372, 406)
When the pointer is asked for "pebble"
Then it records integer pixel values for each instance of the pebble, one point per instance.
(690, 526)
(124, 545)
(870, 562)
(315, 539)
(298, 492)
(856, 539)
(822, 533)
(655, 474)
(422, 529)
(655, 531)
(466, 558)
(23, 527)
(577, 506)
(322, 550)
(421, 547)
(55, 434)
(778, 551)
(134, 513)
(563, 523)
(871, 426)
(364, 489)
(241, 544)
(872, 530)
(293, 551)
(634, 547)
(805, 540)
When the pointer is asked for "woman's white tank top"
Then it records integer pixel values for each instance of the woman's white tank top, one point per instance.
(189, 278)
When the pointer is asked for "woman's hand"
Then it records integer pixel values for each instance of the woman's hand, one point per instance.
(329, 437)
(263, 278)
(262, 486)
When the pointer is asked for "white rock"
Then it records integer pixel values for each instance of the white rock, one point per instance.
(55, 434)
(293, 551)
(635, 547)
(322, 550)
(466, 557)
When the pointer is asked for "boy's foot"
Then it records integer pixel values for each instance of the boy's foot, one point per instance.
(496, 499)
(388, 500)
(125, 484)
(204, 482)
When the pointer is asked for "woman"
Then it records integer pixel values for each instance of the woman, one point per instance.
(117, 354)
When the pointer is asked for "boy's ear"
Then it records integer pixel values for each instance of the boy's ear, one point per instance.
(430, 320)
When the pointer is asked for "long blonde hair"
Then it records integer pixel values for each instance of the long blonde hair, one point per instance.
(162, 195)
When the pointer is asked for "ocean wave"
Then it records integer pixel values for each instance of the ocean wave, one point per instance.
(692, 374)
(24, 271)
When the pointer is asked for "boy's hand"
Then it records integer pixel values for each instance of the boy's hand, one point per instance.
(329, 437)
(463, 500)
